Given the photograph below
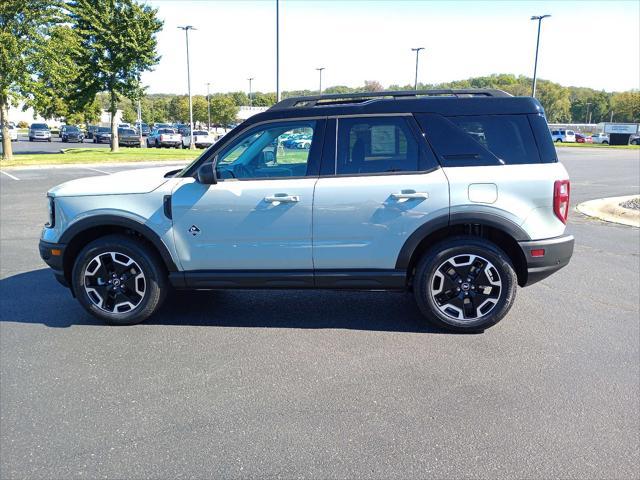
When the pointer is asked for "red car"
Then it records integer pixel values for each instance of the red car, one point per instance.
(581, 138)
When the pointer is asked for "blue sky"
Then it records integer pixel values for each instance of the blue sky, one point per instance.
(588, 43)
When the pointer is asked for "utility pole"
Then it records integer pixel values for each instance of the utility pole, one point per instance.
(320, 69)
(277, 50)
(208, 108)
(140, 122)
(250, 101)
(611, 119)
(186, 29)
(417, 50)
(539, 18)
(586, 115)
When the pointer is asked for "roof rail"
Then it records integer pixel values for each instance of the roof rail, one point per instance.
(347, 98)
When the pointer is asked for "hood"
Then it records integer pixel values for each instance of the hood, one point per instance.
(143, 180)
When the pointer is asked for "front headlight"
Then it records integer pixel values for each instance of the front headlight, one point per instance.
(52, 213)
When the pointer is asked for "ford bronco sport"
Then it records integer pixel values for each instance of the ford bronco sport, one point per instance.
(455, 195)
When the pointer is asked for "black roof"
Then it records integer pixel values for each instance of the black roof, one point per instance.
(444, 102)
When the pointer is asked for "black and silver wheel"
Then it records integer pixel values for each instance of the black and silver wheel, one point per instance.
(119, 280)
(465, 284)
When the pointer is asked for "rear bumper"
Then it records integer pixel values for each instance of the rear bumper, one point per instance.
(54, 261)
(557, 253)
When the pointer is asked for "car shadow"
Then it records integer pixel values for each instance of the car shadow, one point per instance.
(35, 297)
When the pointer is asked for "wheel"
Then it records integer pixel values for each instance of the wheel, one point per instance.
(465, 284)
(605, 142)
(559, 140)
(119, 280)
(158, 144)
(49, 140)
(31, 139)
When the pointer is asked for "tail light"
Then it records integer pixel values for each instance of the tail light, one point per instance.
(162, 138)
(561, 189)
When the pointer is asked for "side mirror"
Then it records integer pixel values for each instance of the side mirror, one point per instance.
(206, 174)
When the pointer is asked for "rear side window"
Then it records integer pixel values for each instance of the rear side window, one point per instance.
(376, 145)
(508, 137)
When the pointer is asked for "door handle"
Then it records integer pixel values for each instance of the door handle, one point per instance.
(281, 198)
(408, 194)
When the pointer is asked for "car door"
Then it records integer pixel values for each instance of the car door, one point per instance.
(258, 215)
(379, 183)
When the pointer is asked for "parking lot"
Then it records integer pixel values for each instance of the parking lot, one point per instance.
(324, 384)
(23, 145)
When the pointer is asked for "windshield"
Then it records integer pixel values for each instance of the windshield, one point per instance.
(104, 130)
(200, 132)
(127, 131)
(72, 129)
(39, 126)
(166, 130)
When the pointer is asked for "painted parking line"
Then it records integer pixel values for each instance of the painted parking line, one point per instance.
(96, 170)
(9, 175)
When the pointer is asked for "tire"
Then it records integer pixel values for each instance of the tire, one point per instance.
(497, 277)
(605, 143)
(142, 277)
(49, 140)
(559, 140)
(31, 139)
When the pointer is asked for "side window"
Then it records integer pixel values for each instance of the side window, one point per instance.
(274, 151)
(508, 137)
(376, 145)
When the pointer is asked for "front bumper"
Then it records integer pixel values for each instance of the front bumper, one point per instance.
(557, 253)
(53, 254)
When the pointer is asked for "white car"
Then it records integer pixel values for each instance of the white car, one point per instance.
(201, 139)
(13, 133)
(563, 136)
(602, 138)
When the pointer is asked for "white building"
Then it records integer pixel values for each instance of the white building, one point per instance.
(17, 115)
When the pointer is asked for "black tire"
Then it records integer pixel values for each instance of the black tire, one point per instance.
(425, 281)
(559, 140)
(154, 280)
(49, 140)
(605, 143)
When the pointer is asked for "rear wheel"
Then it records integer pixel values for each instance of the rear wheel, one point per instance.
(465, 284)
(119, 280)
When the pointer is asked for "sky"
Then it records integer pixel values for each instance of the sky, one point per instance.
(585, 43)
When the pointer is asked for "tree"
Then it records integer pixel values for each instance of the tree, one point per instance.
(626, 106)
(223, 110)
(24, 30)
(117, 42)
(372, 86)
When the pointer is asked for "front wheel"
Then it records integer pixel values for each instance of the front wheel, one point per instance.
(119, 280)
(465, 284)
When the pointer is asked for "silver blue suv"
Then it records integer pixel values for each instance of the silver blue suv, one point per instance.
(454, 195)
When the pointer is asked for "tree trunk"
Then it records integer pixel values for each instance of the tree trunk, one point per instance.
(114, 124)
(7, 150)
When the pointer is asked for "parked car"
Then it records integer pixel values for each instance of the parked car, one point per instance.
(394, 194)
(563, 135)
(634, 140)
(71, 133)
(143, 128)
(201, 139)
(580, 138)
(164, 137)
(13, 133)
(91, 129)
(128, 137)
(39, 131)
(102, 135)
(124, 125)
(602, 138)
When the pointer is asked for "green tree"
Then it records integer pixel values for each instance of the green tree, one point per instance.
(117, 42)
(178, 108)
(223, 110)
(240, 98)
(24, 30)
(626, 106)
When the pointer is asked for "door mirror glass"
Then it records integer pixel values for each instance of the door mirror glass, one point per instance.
(206, 174)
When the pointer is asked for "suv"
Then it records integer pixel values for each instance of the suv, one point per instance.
(602, 138)
(563, 136)
(454, 195)
(39, 131)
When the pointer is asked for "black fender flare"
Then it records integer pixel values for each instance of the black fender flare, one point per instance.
(458, 218)
(124, 222)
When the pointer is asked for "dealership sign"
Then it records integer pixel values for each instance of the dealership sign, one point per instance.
(628, 128)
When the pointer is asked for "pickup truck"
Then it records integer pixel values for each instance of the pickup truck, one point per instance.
(201, 139)
(164, 137)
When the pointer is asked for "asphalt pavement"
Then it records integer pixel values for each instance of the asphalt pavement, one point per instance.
(325, 384)
(24, 146)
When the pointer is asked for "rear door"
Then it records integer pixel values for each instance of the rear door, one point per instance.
(379, 182)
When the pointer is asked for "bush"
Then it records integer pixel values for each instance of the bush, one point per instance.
(23, 124)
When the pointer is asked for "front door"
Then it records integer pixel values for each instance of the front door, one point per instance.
(258, 216)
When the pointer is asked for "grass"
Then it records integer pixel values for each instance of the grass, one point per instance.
(597, 145)
(100, 155)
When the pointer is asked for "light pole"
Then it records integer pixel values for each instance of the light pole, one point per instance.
(140, 122)
(320, 69)
(417, 50)
(586, 115)
(539, 18)
(186, 29)
(250, 80)
(277, 51)
(208, 108)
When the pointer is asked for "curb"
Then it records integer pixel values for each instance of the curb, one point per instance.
(609, 210)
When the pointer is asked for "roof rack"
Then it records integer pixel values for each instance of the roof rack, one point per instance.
(351, 98)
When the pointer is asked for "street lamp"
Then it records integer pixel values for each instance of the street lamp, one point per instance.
(186, 29)
(250, 80)
(417, 50)
(320, 69)
(539, 18)
(586, 115)
(208, 108)
(277, 51)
